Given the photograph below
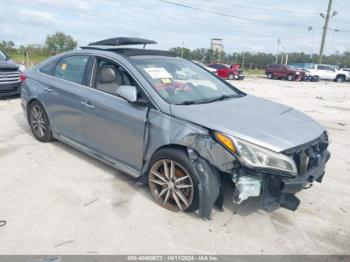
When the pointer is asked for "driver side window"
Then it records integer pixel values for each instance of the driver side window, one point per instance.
(109, 76)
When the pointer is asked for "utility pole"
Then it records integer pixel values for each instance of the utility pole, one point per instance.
(182, 49)
(278, 49)
(325, 28)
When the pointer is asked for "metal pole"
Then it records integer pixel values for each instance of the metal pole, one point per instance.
(243, 60)
(182, 49)
(325, 27)
(278, 47)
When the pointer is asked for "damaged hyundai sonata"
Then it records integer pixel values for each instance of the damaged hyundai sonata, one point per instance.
(170, 123)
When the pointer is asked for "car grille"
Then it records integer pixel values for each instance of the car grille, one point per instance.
(9, 76)
(308, 155)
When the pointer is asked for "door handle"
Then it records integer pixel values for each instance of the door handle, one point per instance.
(87, 104)
(48, 89)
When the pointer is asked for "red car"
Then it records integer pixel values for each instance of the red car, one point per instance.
(284, 71)
(228, 72)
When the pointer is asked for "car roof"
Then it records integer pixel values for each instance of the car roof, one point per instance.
(130, 52)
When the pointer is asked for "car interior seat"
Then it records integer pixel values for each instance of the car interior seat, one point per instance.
(109, 79)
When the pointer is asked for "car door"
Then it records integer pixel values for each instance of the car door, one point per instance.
(62, 91)
(330, 73)
(280, 71)
(111, 125)
(322, 72)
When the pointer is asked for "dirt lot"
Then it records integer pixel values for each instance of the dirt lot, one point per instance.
(57, 200)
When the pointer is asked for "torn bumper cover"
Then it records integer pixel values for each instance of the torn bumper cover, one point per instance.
(275, 190)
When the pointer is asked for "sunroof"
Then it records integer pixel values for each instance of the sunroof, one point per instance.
(118, 41)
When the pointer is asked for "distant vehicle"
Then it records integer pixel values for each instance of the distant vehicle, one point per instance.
(309, 76)
(9, 76)
(284, 71)
(210, 69)
(228, 72)
(328, 72)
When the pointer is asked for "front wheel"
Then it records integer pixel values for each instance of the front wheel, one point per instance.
(39, 122)
(172, 180)
(290, 77)
(269, 76)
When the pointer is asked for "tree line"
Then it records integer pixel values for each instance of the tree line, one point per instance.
(60, 42)
(255, 60)
(34, 53)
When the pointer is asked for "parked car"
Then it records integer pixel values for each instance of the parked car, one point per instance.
(284, 72)
(309, 76)
(327, 72)
(227, 72)
(210, 69)
(9, 76)
(130, 109)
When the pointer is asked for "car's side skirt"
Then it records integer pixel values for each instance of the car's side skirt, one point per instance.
(100, 156)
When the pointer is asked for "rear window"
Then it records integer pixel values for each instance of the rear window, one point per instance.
(47, 69)
(72, 68)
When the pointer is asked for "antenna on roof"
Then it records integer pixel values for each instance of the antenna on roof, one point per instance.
(118, 41)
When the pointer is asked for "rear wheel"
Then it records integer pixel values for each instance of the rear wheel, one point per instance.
(340, 79)
(269, 76)
(39, 122)
(231, 76)
(172, 180)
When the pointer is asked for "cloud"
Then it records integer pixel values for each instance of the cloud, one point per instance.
(91, 20)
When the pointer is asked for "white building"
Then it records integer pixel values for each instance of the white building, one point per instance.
(217, 45)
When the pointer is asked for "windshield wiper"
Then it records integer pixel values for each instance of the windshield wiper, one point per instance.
(207, 100)
(220, 98)
(189, 102)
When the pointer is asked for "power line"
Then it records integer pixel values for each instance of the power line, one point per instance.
(232, 16)
(268, 9)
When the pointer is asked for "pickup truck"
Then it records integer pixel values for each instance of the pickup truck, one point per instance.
(327, 72)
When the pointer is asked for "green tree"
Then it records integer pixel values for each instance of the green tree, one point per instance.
(60, 42)
(7, 46)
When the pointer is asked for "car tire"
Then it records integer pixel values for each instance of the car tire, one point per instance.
(269, 76)
(340, 79)
(290, 77)
(39, 122)
(315, 79)
(231, 76)
(176, 196)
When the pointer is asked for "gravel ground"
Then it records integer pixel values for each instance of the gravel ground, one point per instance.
(57, 200)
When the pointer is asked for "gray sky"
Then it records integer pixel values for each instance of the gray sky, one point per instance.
(29, 21)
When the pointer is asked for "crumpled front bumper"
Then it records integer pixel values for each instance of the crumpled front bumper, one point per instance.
(279, 191)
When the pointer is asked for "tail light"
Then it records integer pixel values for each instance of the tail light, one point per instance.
(22, 77)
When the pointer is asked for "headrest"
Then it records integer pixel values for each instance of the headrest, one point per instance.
(108, 75)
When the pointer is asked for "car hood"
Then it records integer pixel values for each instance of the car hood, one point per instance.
(259, 121)
(8, 64)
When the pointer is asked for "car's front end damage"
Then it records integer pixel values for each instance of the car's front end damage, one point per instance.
(272, 159)
(278, 189)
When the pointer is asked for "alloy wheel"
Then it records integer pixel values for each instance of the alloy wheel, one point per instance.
(171, 185)
(38, 121)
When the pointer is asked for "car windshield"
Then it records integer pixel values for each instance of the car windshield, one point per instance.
(181, 82)
(2, 56)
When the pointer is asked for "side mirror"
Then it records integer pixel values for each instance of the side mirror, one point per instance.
(129, 93)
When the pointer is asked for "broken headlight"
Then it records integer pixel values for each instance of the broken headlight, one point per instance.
(255, 156)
